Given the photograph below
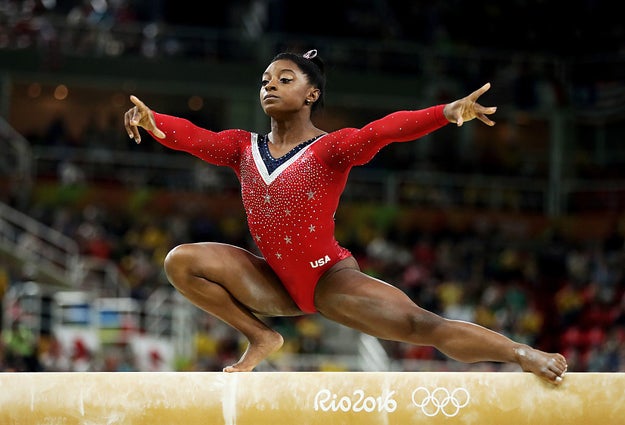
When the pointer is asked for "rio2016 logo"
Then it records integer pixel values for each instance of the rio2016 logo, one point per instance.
(327, 401)
(431, 402)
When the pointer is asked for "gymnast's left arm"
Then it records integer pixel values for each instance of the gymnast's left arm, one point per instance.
(359, 146)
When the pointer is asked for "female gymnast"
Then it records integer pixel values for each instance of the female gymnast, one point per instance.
(291, 181)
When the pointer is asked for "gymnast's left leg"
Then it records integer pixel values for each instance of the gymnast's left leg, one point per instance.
(352, 298)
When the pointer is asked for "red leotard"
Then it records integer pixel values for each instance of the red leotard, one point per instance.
(290, 211)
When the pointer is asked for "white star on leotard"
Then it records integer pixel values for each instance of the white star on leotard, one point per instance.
(311, 228)
(287, 239)
(310, 194)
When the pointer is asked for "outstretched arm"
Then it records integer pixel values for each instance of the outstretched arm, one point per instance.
(140, 116)
(359, 146)
(467, 108)
(218, 148)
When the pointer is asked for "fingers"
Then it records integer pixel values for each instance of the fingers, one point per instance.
(140, 116)
(158, 133)
(131, 124)
(468, 108)
(482, 112)
(138, 111)
(477, 93)
(486, 120)
(131, 129)
(134, 99)
(132, 118)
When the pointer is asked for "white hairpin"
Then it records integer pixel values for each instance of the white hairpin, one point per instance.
(310, 54)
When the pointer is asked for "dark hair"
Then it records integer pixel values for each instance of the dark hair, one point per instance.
(313, 67)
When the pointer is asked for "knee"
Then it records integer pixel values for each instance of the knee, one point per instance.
(176, 260)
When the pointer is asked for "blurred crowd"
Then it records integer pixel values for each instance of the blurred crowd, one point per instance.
(528, 25)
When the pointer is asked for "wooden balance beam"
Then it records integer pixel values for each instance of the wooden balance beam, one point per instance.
(309, 398)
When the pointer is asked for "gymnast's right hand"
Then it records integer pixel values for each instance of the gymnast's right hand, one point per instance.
(140, 116)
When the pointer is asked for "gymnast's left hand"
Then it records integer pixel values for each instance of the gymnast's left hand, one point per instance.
(467, 108)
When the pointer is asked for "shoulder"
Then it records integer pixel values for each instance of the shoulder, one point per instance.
(237, 133)
(339, 135)
(235, 137)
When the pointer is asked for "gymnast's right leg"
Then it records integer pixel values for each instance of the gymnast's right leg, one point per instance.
(235, 286)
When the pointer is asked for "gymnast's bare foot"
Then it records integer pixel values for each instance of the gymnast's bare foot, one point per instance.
(257, 350)
(549, 366)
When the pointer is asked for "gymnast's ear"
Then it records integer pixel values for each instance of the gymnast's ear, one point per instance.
(312, 96)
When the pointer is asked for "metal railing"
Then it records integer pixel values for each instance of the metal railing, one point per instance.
(41, 247)
(50, 256)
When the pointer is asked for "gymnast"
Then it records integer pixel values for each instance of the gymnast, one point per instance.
(291, 182)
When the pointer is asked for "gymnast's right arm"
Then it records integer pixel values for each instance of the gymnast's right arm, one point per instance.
(219, 148)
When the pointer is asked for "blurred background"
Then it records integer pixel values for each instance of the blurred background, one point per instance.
(520, 227)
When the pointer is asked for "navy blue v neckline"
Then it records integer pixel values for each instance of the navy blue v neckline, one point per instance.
(272, 163)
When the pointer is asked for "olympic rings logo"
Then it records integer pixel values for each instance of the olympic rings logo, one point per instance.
(440, 400)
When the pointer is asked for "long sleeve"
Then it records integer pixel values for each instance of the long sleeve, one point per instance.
(219, 148)
(358, 146)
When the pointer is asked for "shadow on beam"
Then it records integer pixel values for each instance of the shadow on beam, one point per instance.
(308, 398)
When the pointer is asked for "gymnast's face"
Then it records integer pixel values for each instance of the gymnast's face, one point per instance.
(284, 89)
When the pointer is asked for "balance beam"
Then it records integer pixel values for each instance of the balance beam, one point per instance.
(309, 398)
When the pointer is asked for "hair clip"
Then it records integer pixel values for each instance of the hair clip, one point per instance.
(310, 54)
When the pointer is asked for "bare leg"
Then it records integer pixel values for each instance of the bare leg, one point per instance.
(233, 285)
(369, 305)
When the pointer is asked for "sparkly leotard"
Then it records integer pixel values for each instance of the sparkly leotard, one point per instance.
(290, 202)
